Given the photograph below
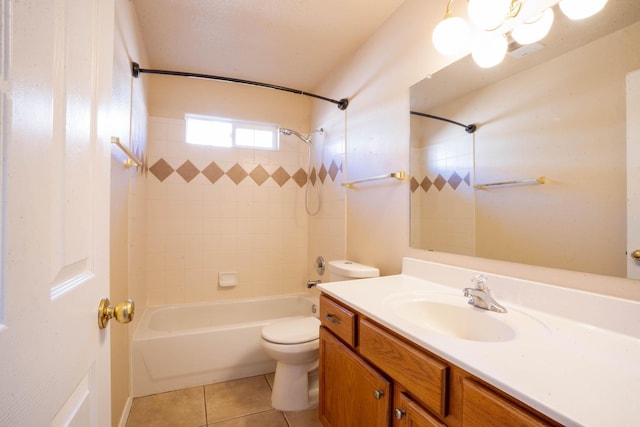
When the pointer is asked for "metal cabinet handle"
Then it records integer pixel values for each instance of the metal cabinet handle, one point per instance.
(333, 319)
(399, 413)
(636, 254)
(378, 394)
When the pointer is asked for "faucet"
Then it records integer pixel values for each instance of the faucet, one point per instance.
(312, 283)
(481, 297)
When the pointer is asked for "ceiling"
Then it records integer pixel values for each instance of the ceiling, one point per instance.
(292, 43)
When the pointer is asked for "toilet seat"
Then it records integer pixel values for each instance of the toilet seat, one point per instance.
(296, 330)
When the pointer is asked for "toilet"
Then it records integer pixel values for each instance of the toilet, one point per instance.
(294, 344)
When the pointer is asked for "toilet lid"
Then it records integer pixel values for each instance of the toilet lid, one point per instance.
(292, 331)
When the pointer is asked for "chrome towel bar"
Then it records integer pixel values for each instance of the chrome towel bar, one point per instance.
(400, 176)
(539, 180)
(132, 160)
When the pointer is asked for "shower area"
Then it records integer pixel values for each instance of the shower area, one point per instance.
(244, 213)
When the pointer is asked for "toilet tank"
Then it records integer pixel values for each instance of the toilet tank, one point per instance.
(343, 269)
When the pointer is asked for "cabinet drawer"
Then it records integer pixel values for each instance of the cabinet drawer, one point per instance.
(482, 407)
(338, 319)
(424, 377)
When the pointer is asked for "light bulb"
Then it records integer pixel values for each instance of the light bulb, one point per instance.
(580, 9)
(451, 35)
(491, 52)
(534, 29)
(488, 14)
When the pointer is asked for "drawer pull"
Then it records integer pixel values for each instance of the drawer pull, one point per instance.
(333, 319)
(399, 413)
(378, 394)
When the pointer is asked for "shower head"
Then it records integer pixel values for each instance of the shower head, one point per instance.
(306, 139)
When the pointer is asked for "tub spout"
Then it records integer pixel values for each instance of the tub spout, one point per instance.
(312, 283)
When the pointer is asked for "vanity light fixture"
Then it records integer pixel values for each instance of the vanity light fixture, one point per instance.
(495, 21)
(580, 9)
(451, 35)
(534, 29)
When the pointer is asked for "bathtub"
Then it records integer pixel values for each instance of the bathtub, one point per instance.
(187, 345)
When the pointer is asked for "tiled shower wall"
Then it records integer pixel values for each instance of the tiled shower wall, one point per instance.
(213, 210)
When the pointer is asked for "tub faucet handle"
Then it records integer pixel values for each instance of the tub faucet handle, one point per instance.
(312, 283)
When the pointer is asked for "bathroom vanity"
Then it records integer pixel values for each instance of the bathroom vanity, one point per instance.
(407, 350)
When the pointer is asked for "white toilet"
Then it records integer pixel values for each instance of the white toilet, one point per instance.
(294, 344)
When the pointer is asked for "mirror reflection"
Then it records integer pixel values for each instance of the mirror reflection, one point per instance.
(557, 112)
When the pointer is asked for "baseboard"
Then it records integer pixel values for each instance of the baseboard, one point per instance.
(125, 412)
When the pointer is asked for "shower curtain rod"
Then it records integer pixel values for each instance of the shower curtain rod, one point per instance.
(468, 128)
(136, 70)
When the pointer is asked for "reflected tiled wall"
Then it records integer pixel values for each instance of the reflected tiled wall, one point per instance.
(442, 198)
(213, 210)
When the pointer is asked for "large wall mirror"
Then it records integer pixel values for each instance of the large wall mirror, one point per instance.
(558, 113)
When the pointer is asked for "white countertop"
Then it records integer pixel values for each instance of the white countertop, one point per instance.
(575, 356)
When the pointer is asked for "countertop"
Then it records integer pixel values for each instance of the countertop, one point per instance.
(575, 356)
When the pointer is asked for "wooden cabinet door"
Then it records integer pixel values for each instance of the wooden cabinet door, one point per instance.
(408, 413)
(482, 407)
(352, 394)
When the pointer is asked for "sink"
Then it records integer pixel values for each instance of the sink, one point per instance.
(450, 315)
(457, 321)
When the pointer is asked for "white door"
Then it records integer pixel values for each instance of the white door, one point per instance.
(633, 174)
(56, 64)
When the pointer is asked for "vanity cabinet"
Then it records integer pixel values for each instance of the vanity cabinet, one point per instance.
(370, 376)
(355, 393)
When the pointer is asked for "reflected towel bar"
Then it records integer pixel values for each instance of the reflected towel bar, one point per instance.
(401, 176)
(539, 180)
(132, 160)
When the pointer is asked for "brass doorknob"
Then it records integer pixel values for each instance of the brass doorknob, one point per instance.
(123, 312)
(636, 254)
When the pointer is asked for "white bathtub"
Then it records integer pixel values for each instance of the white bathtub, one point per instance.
(187, 345)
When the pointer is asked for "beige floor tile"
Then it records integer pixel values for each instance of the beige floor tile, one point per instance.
(270, 418)
(182, 408)
(308, 418)
(237, 398)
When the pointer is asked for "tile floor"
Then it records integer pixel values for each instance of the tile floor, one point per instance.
(239, 403)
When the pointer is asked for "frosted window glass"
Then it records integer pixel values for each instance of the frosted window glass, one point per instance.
(203, 130)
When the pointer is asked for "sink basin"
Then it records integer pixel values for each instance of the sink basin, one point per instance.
(450, 315)
(465, 322)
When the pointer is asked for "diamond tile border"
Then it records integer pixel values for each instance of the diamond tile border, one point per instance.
(188, 171)
(161, 169)
(213, 172)
(454, 181)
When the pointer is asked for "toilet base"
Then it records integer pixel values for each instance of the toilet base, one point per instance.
(295, 387)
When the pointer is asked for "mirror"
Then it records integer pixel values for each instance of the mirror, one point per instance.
(558, 113)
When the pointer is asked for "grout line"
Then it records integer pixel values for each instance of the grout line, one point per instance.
(206, 414)
(286, 420)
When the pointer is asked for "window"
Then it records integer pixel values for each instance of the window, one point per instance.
(216, 132)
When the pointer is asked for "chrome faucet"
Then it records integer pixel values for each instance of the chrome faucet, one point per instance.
(481, 297)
